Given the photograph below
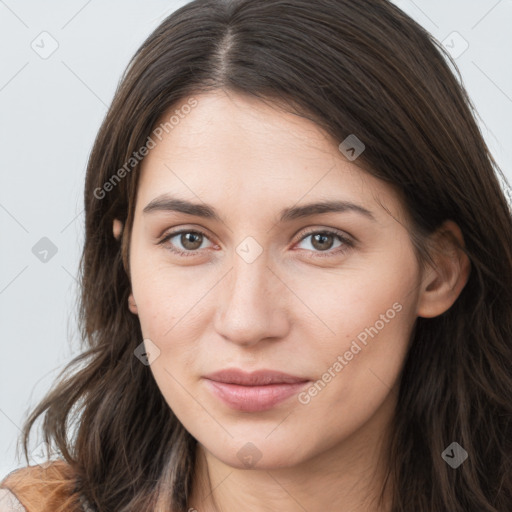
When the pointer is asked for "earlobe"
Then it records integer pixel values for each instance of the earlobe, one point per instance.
(117, 228)
(442, 285)
(131, 305)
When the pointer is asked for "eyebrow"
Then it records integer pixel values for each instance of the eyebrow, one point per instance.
(171, 204)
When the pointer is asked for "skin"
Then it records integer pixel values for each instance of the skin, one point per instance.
(295, 308)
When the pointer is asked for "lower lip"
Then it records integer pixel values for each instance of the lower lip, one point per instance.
(253, 398)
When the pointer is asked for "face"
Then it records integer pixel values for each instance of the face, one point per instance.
(314, 306)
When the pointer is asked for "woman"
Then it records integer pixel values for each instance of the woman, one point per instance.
(295, 280)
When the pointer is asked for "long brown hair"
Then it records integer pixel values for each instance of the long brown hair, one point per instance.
(361, 68)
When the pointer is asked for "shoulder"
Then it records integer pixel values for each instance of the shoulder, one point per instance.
(37, 488)
(9, 502)
(51, 471)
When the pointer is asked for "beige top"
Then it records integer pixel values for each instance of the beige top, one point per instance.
(9, 502)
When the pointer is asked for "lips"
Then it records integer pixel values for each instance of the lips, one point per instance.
(256, 391)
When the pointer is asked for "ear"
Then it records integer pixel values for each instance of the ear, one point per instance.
(117, 228)
(442, 285)
(131, 304)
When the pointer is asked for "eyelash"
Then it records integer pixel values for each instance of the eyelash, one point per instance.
(346, 242)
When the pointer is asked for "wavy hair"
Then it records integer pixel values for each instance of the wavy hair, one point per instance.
(361, 68)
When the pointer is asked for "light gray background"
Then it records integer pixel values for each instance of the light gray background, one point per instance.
(50, 111)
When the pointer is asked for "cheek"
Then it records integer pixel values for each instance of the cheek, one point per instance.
(345, 304)
(166, 296)
(173, 311)
(370, 316)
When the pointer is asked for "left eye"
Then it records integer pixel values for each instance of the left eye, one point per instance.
(322, 241)
(191, 241)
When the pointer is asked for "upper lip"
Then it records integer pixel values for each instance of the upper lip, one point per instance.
(255, 378)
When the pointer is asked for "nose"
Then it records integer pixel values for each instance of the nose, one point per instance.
(252, 304)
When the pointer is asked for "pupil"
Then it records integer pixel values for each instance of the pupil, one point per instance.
(321, 237)
(187, 239)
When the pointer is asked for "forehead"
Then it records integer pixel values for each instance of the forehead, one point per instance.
(241, 148)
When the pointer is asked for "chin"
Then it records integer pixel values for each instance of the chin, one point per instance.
(259, 454)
